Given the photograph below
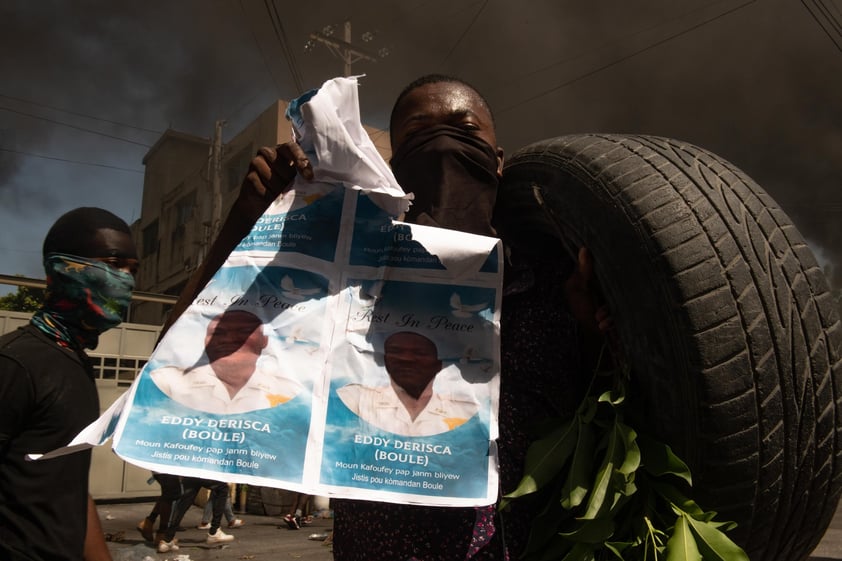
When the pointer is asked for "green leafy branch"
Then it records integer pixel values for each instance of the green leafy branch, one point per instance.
(612, 492)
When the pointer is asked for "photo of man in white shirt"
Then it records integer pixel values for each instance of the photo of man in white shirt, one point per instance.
(408, 405)
(230, 379)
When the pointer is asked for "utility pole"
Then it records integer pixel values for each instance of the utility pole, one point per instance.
(343, 48)
(216, 179)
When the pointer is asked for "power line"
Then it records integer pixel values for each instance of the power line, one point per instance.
(83, 129)
(30, 154)
(278, 26)
(69, 112)
(519, 79)
(624, 58)
(259, 48)
(822, 25)
(465, 32)
(829, 16)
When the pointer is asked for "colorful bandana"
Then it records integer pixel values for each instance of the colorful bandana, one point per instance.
(84, 298)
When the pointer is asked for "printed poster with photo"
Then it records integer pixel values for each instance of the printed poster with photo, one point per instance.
(337, 351)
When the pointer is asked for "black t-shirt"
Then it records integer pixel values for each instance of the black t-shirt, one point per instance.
(47, 396)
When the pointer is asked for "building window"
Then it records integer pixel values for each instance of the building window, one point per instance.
(150, 238)
(122, 370)
(182, 212)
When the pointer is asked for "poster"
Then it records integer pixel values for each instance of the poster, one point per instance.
(338, 351)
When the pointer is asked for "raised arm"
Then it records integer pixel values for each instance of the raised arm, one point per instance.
(270, 173)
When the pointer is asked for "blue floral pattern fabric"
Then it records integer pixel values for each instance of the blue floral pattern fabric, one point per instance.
(84, 298)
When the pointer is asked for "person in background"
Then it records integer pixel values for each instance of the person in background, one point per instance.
(207, 514)
(295, 518)
(48, 390)
(166, 508)
(177, 494)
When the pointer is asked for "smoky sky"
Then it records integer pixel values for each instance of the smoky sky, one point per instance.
(757, 83)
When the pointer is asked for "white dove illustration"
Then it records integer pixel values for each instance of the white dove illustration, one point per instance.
(461, 310)
(289, 290)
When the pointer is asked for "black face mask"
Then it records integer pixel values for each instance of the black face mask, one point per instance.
(453, 176)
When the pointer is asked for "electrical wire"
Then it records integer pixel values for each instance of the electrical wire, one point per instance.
(280, 34)
(623, 58)
(464, 33)
(259, 48)
(69, 112)
(32, 155)
(519, 78)
(822, 25)
(828, 16)
(83, 129)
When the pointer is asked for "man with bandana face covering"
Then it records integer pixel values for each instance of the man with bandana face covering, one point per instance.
(445, 152)
(49, 394)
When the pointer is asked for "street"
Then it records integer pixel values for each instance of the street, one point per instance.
(260, 538)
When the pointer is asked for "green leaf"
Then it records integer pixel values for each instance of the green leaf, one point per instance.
(726, 525)
(580, 476)
(714, 544)
(681, 545)
(659, 459)
(632, 456)
(545, 458)
(596, 501)
(580, 552)
(614, 398)
(677, 498)
(633, 490)
(591, 531)
(546, 524)
(617, 548)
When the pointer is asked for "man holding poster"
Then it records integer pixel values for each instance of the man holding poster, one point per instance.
(445, 151)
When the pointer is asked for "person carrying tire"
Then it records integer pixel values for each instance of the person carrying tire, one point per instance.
(446, 153)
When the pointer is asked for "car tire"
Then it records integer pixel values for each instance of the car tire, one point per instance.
(721, 310)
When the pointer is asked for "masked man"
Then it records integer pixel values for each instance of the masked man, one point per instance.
(444, 150)
(48, 390)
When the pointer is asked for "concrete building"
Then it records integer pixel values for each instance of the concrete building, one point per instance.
(180, 212)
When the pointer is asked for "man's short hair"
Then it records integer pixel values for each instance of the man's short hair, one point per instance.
(413, 333)
(74, 231)
(435, 79)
